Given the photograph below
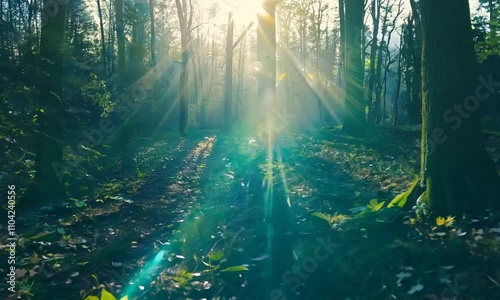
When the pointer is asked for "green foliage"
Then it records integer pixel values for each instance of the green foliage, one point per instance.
(402, 198)
(96, 92)
(334, 220)
(374, 205)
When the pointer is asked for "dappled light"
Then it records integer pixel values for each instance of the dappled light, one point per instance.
(238, 149)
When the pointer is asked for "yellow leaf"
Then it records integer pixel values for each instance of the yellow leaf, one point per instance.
(105, 295)
(124, 298)
(440, 221)
(374, 205)
(449, 221)
(91, 298)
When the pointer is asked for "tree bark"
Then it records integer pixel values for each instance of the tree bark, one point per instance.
(185, 23)
(355, 119)
(342, 39)
(279, 243)
(103, 40)
(49, 149)
(375, 13)
(153, 33)
(456, 170)
(120, 37)
(228, 90)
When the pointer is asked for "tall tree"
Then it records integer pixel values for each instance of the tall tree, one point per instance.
(342, 39)
(228, 89)
(49, 148)
(457, 172)
(185, 15)
(375, 14)
(279, 244)
(153, 32)
(120, 37)
(355, 119)
(103, 40)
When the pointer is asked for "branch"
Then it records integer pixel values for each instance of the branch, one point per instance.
(242, 35)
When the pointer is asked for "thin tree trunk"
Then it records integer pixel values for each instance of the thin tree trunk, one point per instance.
(342, 39)
(153, 33)
(103, 40)
(120, 37)
(228, 91)
(375, 12)
(395, 116)
(185, 22)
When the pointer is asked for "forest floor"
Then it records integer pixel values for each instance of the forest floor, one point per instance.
(188, 222)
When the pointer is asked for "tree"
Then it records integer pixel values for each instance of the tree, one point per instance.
(228, 91)
(120, 37)
(375, 14)
(185, 21)
(103, 40)
(153, 33)
(49, 149)
(457, 173)
(355, 120)
(279, 243)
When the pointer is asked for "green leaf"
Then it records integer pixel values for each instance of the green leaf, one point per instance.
(374, 205)
(105, 295)
(401, 199)
(92, 298)
(217, 255)
(235, 269)
(322, 216)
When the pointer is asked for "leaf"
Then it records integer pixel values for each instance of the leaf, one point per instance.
(440, 221)
(92, 298)
(322, 216)
(235, 269)
(217, 255)
(401, 199)
(105, 295)
(262, 257)
(374, 205)
(124, 297)
(449, 221)
(416, 288)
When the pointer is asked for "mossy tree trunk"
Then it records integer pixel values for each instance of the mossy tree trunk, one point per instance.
(456, 170)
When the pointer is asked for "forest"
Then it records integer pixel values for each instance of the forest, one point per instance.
(250, 149)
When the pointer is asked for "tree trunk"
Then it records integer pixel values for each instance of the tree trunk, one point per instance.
(153, 33)
(342, 39)
(456, 170)
(375, 12)
(228, 90)
(120, 37)
(185, 22)
(395, 115)
(417, 60)
(279, 244)
(103, 40)
(355, 119)
(49, 149)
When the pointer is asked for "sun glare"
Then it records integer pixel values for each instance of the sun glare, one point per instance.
(244, 11)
